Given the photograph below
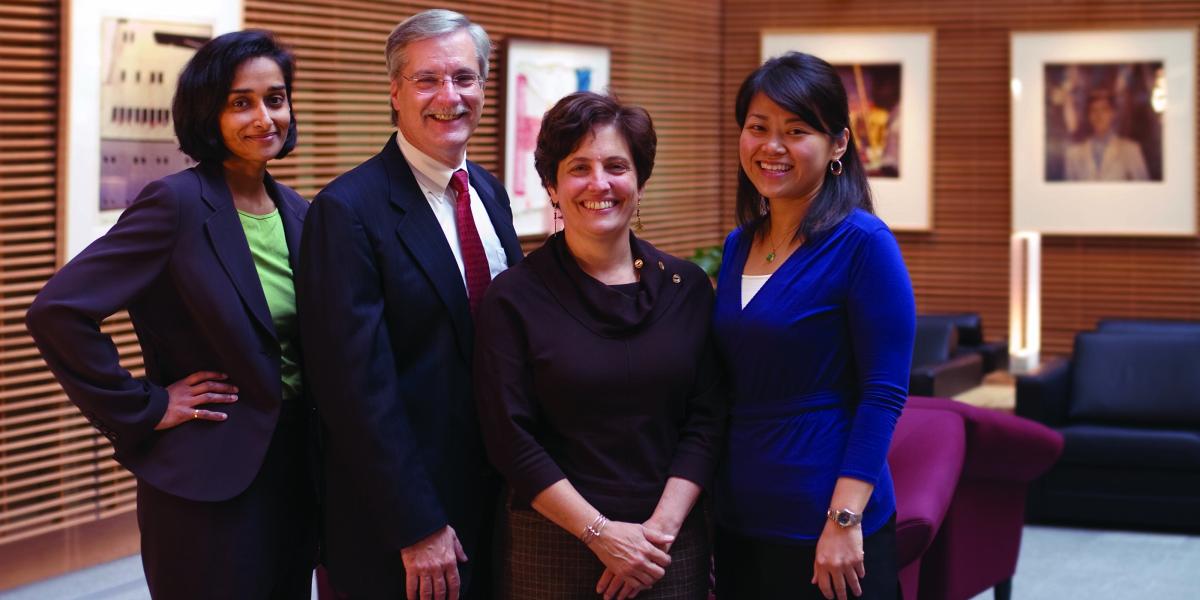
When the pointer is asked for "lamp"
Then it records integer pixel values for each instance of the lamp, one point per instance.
(1024, 301)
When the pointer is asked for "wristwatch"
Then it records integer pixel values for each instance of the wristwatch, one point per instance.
(844, 517)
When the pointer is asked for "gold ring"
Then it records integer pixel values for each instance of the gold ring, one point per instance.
(195, 414)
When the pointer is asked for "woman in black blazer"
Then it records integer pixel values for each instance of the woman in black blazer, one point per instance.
(216, 430)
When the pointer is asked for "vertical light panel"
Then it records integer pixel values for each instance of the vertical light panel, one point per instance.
(1025, 301)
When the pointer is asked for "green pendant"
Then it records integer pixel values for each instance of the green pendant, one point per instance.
(771, 256)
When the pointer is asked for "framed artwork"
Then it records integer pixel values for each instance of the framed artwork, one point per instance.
(536, 75)
(889, 86)
(124, 61)
(1103, 132)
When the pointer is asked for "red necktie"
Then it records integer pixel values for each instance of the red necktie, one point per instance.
(475, 263)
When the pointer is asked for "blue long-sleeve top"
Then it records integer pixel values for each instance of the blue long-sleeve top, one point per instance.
(819, 362)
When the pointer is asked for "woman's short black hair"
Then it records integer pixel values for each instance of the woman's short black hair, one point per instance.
(566, 124)
(809, 88)
(204, 87)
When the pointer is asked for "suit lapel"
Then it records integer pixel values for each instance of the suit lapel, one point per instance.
(229, 244)
(501, 218)
(293, 221)
(420, 232)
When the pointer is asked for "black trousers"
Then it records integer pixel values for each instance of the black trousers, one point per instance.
(381, 571)
(753, 569)
(259, 544)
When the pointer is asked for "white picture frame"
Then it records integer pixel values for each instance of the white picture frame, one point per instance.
(538, 74)
(904, 201)
(1047, 201)
(80, 217)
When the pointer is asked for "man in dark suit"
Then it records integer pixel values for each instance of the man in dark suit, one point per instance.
(395, 257)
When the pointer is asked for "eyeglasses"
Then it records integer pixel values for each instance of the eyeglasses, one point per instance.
(428, 83)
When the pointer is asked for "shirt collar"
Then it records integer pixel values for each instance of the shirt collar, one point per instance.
(430, 173)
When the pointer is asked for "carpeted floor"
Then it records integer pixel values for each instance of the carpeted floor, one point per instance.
(1059, 563)
(1056, 563)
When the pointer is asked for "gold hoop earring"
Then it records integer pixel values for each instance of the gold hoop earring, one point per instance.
(835, 167)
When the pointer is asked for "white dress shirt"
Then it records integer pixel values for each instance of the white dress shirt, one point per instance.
(433, 178)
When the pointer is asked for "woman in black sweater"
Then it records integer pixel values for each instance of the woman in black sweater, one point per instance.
(599, 393)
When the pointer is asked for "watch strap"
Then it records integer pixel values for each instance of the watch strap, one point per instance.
(844, 517)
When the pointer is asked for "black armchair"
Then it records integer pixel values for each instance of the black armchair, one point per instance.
(937, 368)
(970, 339)
(1128, 406)
(1147, 326)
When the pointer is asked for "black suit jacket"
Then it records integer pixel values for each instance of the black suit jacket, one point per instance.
(388, 345)
(178, 260)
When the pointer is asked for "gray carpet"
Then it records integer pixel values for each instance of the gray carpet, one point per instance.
(1056, 563)
(1059, 563)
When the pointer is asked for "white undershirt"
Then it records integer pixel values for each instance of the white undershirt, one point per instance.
(434, 180)
(750, 286)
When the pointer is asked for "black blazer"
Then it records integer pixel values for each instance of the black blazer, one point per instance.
(178, 260)
(388, 344)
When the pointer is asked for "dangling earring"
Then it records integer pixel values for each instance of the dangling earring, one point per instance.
(835, 167)
(637, 219)
(557, 217)
(764, 207)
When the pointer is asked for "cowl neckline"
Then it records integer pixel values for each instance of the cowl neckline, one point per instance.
(603, 309)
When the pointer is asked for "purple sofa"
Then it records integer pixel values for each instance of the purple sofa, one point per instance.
(961, 476)
(926, 458)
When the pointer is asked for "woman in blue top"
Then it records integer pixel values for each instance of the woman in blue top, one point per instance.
(814, 318)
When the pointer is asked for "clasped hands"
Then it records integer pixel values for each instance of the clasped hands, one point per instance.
(634, 556)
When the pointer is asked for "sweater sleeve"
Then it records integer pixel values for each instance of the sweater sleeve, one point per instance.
(508, 410)
(882, 317)
(700, 436)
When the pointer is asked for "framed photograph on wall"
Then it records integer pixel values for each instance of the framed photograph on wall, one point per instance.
(123, 64)
(1103, 132)
(536, 75)
(889, 85)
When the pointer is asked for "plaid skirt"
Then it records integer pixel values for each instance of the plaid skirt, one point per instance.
(540, 561)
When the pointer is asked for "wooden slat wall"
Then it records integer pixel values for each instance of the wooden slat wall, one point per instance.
(56, 472)
(682, 60)
(341, 89)
(963, 263)
(63, 501)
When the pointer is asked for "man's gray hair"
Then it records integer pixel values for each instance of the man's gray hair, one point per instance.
(435, 22)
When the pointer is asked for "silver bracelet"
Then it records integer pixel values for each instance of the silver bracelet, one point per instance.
(593, 529)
